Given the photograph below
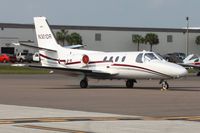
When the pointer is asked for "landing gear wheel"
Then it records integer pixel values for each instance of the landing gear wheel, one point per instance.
(129, 83)
(84, 83)
(21, 60)
(165, 85)
(198, 74)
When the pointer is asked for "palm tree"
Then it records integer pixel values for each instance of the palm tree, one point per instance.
(138, 39)
(152, 39)
(74, 38)
(61, 36)
(197, 40)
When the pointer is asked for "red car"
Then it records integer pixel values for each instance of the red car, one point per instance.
(4, 58)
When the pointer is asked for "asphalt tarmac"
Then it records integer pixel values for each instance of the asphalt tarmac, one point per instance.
(63, 92)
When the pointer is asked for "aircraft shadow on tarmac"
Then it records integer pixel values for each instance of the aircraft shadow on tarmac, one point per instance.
(185, 89)
(93, 87)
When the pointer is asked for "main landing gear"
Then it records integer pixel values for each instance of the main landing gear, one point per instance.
(130, 83)
(198, 74)
(164, 84)
(84, 83)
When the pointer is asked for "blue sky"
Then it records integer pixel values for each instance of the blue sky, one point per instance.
(125, 13)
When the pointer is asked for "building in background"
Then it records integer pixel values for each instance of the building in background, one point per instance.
(101, 38)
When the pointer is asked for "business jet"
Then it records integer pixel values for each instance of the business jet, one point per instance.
(192, 61)
(129, 66)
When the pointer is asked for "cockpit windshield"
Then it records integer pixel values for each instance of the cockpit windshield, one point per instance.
(146, 57)
(194, 57)
(149, 57)
(159, 56)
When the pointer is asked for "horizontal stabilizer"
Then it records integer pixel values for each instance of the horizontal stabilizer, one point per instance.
(36, 47)
(75, 46)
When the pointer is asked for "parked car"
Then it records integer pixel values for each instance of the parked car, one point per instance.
(181, 56)
(21, 57)
(13, 58)
(4, 58)
(28, 58)
(175, 57)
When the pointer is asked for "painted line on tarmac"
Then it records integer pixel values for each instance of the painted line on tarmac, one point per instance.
(71, 119)
(52, 129)
(183, 118)
(64, 119)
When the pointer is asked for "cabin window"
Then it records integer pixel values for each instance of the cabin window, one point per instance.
(123, 59)
(116, 59)
(111, 59)
(139, 58)
(105, 58)
(197, 60)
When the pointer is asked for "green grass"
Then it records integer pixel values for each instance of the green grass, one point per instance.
(192, 70)
(21, 70)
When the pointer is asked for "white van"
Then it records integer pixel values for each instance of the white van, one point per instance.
(36, 57)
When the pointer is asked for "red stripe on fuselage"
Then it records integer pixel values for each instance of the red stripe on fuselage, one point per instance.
(95, 62)
(196, 63)
(72, 63)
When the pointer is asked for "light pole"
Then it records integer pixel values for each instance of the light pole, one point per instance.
(187, 38)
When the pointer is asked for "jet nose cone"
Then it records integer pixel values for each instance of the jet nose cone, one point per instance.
(176, 70)
(180, 71)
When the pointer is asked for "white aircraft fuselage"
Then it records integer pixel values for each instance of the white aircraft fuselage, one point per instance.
(112, 62)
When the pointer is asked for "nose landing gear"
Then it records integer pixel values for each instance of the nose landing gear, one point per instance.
(164, 84)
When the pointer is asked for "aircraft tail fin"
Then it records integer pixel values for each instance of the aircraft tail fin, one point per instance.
(45, 36)
(46, 42)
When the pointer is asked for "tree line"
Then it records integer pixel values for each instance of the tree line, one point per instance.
(64, 37)
(150, 38)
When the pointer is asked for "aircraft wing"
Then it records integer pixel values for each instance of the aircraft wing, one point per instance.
(91, 73)
(36, 47)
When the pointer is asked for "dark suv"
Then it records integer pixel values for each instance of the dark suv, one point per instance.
(29, 58)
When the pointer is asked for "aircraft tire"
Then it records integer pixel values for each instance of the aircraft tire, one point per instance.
(198, 74)
(83, 84)
(165, 85)
(129, 83)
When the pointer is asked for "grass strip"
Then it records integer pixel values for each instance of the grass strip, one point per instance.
(21, 70)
